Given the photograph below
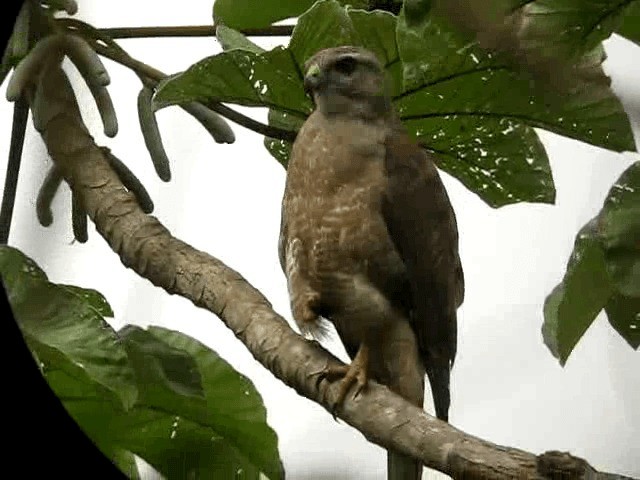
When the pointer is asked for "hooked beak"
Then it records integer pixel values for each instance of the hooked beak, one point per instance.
(312, 78)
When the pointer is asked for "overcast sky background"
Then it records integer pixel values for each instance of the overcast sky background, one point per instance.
(225, 200)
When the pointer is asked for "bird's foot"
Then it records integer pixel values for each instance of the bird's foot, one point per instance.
(354, 373)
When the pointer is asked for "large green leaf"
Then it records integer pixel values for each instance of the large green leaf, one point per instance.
(328, 24)
(231, 39)
(464, 104)
(619, 230)
(179, 448)
(195, 417)
(545, 36)
(603, 272)
(574, 304)
(243, 14)
(243, 77)
(178, 374)
(170, 375)
(69, 321)
(624, 316)
(468, 104)
(630, 24)
(91, 405)
(235, 408)
(569, 28)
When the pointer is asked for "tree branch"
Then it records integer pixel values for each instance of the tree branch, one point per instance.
(148, 248)
(18, 128)
(192, 31)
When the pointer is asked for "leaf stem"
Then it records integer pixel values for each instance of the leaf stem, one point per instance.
(192, 31)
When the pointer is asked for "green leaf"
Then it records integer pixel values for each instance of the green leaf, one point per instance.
(232, 39)
(500, 159)
(126, 462)
(325, 25)
(244, 14)
(459, 99)
(572, 306)
(179, 448)
(569, 28)
(235, 409)
(195, 416)
(416, 11)
(167, 372)
(619, 230)
(68, 320)
(328, 24)
(93, 407)
(630, 24)
(624, 316)
(239, 76)
(603, 272)
(444, 73)
(281, 149)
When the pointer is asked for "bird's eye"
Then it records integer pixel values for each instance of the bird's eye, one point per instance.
(346, 65)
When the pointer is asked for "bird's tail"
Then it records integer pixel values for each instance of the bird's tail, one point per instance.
(401, 467)
(439, 381)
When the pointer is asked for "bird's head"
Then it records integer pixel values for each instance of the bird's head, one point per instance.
(347, 80)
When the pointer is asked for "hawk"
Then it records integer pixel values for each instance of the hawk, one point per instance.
(368, 238)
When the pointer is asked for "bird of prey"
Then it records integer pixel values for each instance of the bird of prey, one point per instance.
(368, 238)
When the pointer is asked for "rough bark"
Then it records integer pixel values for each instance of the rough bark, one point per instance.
(148, 248)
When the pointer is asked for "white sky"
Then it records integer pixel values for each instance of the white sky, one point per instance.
(506, 386)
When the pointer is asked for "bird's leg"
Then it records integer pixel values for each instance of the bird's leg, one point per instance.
(356, 372)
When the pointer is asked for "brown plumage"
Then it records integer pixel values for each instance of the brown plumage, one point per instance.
(368, 238)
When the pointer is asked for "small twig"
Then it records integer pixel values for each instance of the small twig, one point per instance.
(192, 31)
(107, 47)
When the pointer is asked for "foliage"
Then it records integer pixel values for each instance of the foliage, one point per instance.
(603, 273)
(463, 103)
(167, 398)
(473, 108)
(160, 394)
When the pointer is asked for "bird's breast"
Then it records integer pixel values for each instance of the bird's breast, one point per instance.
(333, 201)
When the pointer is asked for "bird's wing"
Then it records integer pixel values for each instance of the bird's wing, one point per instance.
(422, 226)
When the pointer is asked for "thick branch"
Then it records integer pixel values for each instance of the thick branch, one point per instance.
(147, 247)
